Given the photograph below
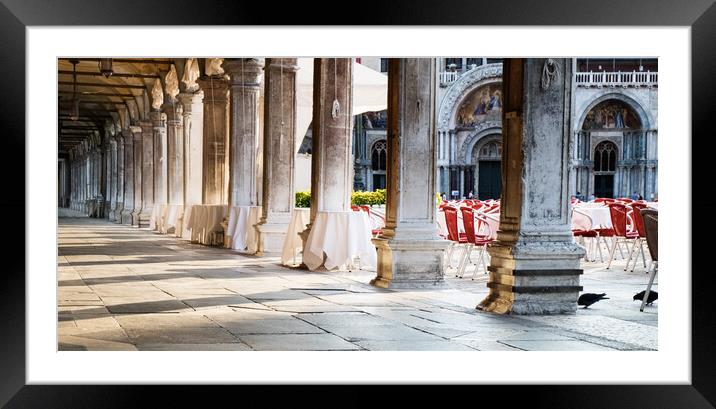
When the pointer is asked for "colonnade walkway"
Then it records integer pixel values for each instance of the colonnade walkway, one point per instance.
(124, 288)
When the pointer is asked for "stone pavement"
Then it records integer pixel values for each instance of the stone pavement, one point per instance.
(124, 288)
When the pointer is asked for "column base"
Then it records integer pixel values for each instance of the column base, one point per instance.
(126, 216)
(533, 279)
(135, 218)
(409, 263)
(118, 207)
(270, 238)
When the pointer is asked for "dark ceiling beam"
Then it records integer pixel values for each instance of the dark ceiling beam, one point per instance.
(127, 60)
(114, 74)
(91, 94)
(66, 110)
(66, 113)
(100, 104)
(101, 85)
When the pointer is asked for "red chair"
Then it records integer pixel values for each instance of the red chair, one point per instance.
(366, 209)
(618, 212)
(583, 223)
(457, 239)
(641, 235)
(468, 219)
(651, 227)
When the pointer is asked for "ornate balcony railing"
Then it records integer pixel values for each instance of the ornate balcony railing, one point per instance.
(448, 77)
(616, 79)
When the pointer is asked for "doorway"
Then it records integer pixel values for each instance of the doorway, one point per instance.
(604, 186)
(490, 179)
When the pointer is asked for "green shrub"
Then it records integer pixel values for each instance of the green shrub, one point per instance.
(303, 199)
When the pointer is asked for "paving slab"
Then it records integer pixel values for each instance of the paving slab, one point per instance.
(298, 342)
(413, 346)
(549, 345)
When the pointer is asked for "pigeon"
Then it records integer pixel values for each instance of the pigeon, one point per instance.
(588, 299)
(653, 295)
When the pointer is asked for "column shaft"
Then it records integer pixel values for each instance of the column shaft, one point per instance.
(278, 153)
(159, 128)
(535, 268)
(119, 175)
(245, 86)
(146, 184)
(410, 253)
(193, 129)
(216, 138)
(175, 153)
(331, 165)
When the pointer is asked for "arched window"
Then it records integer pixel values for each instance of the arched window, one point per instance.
(491, 150)
(605, 157)
(378, 156)
(378, 159)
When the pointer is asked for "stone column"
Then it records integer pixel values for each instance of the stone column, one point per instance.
(461, 186)
(278, 153)
(131, 194)
(107, 165)
(216, 138)
(147, 165)
(331, 165)
(245, 85)
(175, 153)
(193, 129)
(119, 175)
(159, 128)
(410, 253)
(535, 263)
(112, 179)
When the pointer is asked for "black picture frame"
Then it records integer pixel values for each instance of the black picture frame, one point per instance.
(700, 15)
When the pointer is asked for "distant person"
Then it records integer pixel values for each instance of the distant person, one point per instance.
(641, 197)
(591, 197)
(634, 196)
(470, 195)
(444, 197)
(580, 196)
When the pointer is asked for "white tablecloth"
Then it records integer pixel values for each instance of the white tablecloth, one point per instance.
(341, 236)
(170, 216)
(653, 205)
(293, 244)
(173, 217)
(601, 219)
(240, 231)
(204, 220)
(154, 216)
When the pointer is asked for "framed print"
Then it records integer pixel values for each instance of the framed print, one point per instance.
(314, 197)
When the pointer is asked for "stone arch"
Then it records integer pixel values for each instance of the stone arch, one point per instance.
(483, 131)
(468, 82)
(644, 116)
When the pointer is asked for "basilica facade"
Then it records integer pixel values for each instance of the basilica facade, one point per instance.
(613, 126)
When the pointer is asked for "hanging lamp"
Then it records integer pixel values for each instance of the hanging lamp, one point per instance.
(105, 67)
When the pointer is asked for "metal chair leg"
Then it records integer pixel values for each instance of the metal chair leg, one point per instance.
(631, 252)
(611, 254)
(465, 258)
(479, 261)
(648, 287)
